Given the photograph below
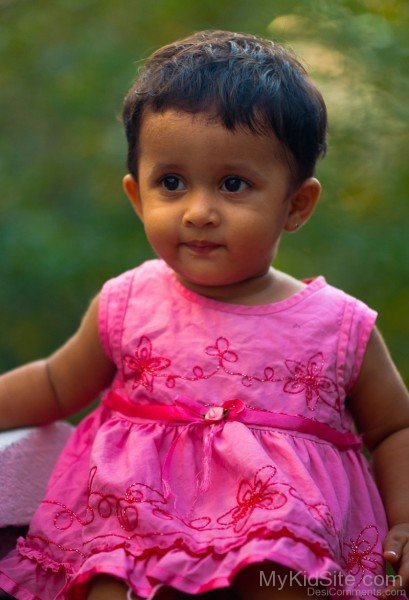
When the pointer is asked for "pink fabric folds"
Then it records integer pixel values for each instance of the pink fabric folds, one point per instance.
(213, 418)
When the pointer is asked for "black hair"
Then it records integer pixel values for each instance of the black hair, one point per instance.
(242, 81)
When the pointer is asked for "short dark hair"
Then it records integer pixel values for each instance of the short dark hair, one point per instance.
(242, 81)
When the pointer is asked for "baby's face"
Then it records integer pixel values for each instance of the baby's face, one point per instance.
(213, 202)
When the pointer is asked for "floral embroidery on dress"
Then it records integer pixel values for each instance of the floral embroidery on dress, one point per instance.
(221, 350)
(224, 355)
(307, 378)
(124, 508)
(319, 511)
(360, 556)
(261, 493)
(143, 366)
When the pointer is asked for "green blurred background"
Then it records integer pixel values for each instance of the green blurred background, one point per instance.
(65, 224)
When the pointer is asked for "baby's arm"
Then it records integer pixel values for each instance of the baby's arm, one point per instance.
(53, 388)
(380, 405)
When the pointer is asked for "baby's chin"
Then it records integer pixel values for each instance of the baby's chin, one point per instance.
(207, 277)
(214, 286)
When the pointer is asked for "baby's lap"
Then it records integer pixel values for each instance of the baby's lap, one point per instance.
(105, 587)
(171, 594)
(247, 583)
(269, 580)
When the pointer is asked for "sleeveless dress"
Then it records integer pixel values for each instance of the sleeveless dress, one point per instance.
(225, 439)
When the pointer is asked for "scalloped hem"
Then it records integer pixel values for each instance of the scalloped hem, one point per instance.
(179, 570)
(46, 562)
(176, 569)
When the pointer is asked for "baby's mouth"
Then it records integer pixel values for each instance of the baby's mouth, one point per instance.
(201, 246)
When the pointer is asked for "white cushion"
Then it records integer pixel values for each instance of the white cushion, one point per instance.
(27, 457)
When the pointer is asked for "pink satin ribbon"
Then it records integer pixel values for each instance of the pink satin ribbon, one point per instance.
(213, 418)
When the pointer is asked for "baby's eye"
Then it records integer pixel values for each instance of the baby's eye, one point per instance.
(171, 183)
(235, 184)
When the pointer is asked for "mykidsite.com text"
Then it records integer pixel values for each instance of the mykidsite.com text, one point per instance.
(334, 584)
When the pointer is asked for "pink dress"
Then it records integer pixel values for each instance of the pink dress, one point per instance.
(224, 440)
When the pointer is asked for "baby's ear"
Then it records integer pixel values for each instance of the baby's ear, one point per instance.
(131, 188)
(302, 203)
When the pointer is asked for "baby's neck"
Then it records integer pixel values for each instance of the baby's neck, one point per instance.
(267, 288)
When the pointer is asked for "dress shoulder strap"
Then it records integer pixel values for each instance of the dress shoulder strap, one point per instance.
(113, 302)
(357, 323)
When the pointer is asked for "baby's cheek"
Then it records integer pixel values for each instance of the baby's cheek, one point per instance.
(161, 237)
(154, 225)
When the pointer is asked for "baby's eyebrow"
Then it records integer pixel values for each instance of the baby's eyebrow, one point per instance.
(157, 168)
(233, 168)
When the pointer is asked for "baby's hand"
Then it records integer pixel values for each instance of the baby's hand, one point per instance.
(396, 552)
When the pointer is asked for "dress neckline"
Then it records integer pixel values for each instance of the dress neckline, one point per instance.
(312, 285)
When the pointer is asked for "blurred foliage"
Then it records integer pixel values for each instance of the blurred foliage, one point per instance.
(65, 225)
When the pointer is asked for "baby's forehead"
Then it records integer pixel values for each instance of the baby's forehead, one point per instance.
(171, 130)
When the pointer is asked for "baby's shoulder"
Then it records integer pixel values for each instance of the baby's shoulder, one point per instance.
(286, 285)
(327, 305)
(152, 269)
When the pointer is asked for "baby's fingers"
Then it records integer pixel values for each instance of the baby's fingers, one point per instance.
(397, 552)
(395, 542)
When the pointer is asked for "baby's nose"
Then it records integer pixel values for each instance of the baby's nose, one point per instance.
(201, 210)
